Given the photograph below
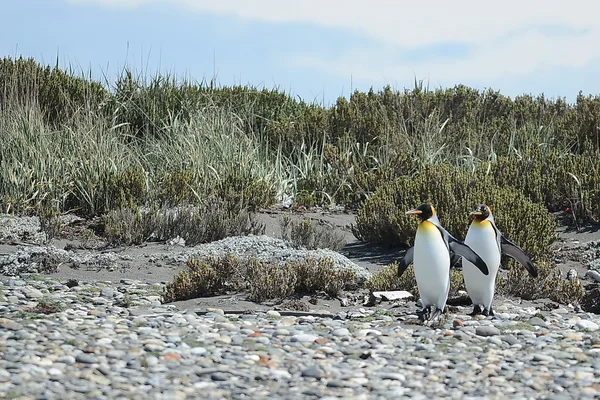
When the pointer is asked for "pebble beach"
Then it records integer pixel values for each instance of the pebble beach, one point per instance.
(115, 340)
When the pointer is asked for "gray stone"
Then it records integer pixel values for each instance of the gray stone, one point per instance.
(86, 358)
(312, 371)
(10, 324)
(537, 321)
(487, 331)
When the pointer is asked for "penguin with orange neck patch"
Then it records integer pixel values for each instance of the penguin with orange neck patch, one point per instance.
(489, 243)
(430, 256)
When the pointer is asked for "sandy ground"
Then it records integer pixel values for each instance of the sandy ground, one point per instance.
(573, 250)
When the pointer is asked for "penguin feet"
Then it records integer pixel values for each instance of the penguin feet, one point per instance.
(476, 310)
(430, 313)
(424, 314)
(488, 312)
(437, 313)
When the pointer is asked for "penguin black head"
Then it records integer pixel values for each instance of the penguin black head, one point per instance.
(481, 212)
(424, 211)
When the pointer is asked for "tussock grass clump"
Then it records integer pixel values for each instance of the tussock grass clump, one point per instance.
(127, 226)
(387, 279)
(311, 234)
(263, 281)
(50, 222)
(210, 154)
(454, 193)
(205, 278)
(320, 275)
(549, 284)
(48, 305)
(85, 167)
(214, 220)
(270, 281)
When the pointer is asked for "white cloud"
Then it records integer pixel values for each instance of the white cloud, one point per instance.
(520, 56)
(406, 23)
(504, 38)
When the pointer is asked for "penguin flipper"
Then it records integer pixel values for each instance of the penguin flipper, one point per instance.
(459, 248)
(406, 261)
(518, 254)
(454, 258)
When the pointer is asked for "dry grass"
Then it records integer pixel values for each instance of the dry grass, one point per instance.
(262, 281)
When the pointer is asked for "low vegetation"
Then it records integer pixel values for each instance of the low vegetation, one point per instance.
(112, 149)
(92, 147)
(454, 193)
(262, 281)
(214, 220)
(311, 234)
(549, 284)
(48, 305)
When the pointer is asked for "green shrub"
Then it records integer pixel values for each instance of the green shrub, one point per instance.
(454, 194)
(126, 226)
(554, 180)
(311, 234)
(70, 141)
(270, 281)
(548, 284)
(319, 275)
(216, 219)
(247, 190)
(176, 188)
(48, 305)
(263, 281)
(387, 279)
(204, 278)
(59, 94)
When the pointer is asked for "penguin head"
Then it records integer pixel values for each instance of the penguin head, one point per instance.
(481, 212)
(424, 211)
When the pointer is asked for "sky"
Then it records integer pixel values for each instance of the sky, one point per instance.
(320, 50)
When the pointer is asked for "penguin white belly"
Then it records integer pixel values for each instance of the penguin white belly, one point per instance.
(481, 237)
(432, 265)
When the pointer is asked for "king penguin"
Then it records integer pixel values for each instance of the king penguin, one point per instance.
(430, 256)
(486, 240)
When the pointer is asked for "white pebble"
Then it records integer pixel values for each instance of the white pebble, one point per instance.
(304, 338)
(341, 332)
(586, 324)
(54, 372)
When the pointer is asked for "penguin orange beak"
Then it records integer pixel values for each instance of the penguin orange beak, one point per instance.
(414, 212)
(475, 213)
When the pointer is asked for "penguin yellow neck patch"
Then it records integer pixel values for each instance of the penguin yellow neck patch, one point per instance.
(483, 223)
(426, 226)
